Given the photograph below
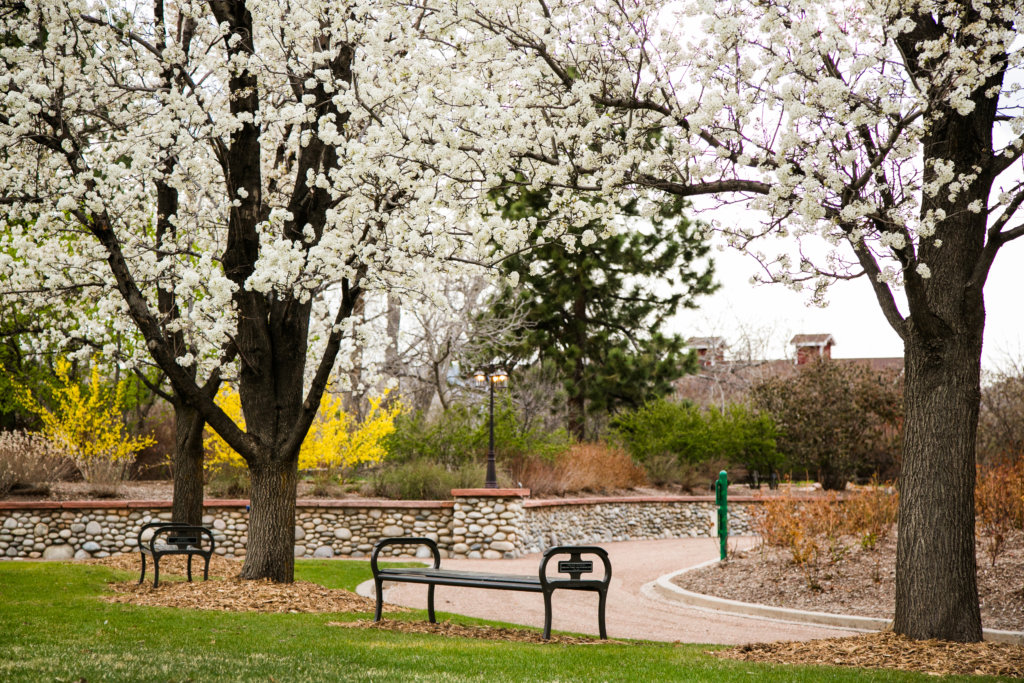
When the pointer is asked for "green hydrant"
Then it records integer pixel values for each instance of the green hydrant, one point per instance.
(722, 500)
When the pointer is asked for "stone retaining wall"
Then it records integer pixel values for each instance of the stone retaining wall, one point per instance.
(487, 523)
(583, 521)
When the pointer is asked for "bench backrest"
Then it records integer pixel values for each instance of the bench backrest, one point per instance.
(574, 565)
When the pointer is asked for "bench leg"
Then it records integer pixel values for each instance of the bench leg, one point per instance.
(547, 614)
(156, 570)
(601, 602)
(430, 604)
(378, 586)
(143, 574)
(206, 568)
(188, 568)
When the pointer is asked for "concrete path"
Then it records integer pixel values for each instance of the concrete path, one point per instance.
(633, 611)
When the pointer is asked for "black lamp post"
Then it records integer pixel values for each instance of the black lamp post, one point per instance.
(497, 377)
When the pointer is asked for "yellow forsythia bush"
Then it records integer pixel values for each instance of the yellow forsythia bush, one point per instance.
(86, 423)
(335, 443)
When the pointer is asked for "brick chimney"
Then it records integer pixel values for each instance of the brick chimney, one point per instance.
(710, 350)
(812, 347)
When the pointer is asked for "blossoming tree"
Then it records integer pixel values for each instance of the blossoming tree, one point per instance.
(246, 171)
(879, 138)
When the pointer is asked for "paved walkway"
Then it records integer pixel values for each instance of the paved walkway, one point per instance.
(632, 611)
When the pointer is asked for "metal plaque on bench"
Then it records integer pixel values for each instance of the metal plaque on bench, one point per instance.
(575, 566)
(183, 540)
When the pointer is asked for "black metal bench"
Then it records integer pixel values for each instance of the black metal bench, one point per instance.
(434, 576)
(175, 538)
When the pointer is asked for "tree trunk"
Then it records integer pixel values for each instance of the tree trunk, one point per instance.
(833, 479)
(577, 401)
(187, 505)
(270, 551)
(576, 405)
(936, 584)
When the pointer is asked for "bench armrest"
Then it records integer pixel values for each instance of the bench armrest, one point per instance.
(404, 540)
(575, 562)
(166, 530)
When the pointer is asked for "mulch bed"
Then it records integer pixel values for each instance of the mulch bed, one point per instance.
(170, 566)
(861, 582)
(241, 595)
(891, 651)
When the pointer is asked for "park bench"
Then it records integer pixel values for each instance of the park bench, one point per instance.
(434, 576)
(175, 538)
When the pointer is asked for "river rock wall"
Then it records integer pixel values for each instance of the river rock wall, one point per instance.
(479, 523)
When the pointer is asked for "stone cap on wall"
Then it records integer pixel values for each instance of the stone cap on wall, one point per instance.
(215, 503)
(601, 500)
(491, 493)
(371, 503)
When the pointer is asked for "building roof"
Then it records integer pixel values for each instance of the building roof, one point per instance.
(730, 380)
(812, 340)
(705, 343)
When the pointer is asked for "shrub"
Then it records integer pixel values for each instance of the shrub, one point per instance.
(87, 424)
(459, 436)
(835, 419)
(422, 479)
(226, 480)
(999, 504)
(1001, 418)
(450, 440)
(871, 513)
(582, 467)
(815, 528)
(334, 445)
(29, 459)
(692, 436)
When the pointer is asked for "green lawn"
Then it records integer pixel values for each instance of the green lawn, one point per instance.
(54, 627)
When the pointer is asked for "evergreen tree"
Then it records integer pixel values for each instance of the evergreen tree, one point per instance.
(595, 312)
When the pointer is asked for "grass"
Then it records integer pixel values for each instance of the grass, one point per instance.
(54, 627)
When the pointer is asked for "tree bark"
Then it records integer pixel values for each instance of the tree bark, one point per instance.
(270, 552)
(577, 400)
(187, 503)
(936, 584)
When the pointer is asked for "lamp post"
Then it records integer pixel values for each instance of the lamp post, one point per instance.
(497, 377)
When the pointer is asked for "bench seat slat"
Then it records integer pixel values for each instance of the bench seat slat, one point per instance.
(405, 572)
(174, 549)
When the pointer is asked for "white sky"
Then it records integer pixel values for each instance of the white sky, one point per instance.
(853, 318)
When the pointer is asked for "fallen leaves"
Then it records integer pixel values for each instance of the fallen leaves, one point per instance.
(170, 565)
(891, 651)
(241, 595)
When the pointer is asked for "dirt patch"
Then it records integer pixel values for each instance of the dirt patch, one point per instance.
(855, 581)
(890, 651)
(446, 628)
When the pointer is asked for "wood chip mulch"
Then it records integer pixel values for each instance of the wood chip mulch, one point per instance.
(227, 594)
(170, 566)
(482, 632)
(891, 651)
(242, 595)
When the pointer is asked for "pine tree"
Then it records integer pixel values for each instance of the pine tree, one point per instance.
(595, 312)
